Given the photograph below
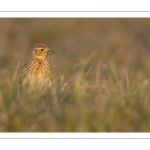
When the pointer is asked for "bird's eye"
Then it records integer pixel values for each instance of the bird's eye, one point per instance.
(41, 49)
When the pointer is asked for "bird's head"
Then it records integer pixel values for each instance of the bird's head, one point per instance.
(40, 51)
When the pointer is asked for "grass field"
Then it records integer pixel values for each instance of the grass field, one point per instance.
(101, 75)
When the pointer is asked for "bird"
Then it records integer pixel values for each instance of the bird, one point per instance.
(36, 74)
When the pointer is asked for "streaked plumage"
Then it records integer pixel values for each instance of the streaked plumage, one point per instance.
(37, 73)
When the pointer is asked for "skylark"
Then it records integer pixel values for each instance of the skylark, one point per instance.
(36, 73)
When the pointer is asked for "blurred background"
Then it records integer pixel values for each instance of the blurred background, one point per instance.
(73, 39)
(76, 38)
(119, 48)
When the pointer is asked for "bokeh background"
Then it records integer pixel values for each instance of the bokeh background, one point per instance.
(101, 75)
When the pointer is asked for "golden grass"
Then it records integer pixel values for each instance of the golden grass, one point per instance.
(101, 76)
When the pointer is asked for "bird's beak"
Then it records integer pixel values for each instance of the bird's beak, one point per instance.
(50, 52)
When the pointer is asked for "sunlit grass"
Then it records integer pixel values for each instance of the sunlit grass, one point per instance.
(78, 103)
(101, 76)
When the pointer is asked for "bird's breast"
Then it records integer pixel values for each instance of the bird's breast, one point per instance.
(38, 73)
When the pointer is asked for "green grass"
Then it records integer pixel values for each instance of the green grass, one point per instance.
(101, 75)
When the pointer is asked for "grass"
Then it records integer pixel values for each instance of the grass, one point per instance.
(101, 76)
